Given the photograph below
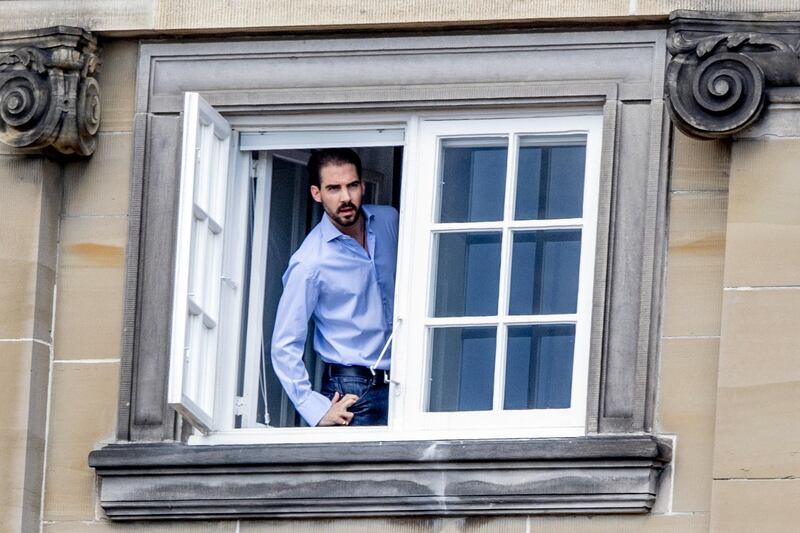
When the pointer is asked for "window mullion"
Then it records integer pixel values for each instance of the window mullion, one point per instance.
(477, 321)
(547, 223)
(525, 320)
(505, 275)
(502, 330)
(462, 321)
(472, 227)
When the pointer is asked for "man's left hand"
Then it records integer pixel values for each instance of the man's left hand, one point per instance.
(338, 414)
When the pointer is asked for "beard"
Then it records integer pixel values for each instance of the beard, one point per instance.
(348, 220)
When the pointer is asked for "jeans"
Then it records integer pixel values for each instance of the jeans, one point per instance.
(372, 407)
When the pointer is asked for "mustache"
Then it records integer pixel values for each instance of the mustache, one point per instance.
(348, 205)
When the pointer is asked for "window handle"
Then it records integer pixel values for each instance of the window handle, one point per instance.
(229, 280)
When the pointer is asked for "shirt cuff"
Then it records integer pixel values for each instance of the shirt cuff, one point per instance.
(314, 408)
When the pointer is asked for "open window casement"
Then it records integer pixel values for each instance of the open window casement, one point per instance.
(208, 279)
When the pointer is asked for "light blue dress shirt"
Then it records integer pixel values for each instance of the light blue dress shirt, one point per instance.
(350, 295)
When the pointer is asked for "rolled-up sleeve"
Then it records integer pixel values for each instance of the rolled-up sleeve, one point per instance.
(300, 295)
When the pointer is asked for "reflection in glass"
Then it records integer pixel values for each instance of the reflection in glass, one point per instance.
(544, 272)
(473, 180)
(462, 369)
(550, 182)
(467, 274)
(539, 366)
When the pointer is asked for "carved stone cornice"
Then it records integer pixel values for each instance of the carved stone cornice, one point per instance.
(724, 66)
(49, 99)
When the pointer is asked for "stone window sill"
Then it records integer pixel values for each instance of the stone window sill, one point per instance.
(597, 474)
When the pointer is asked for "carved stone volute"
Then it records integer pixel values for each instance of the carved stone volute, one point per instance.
(724, 65)
(48, 97)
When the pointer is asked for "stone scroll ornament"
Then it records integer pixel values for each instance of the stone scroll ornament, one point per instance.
(717, 85)
(49, 99)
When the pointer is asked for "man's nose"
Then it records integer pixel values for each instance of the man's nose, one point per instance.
(345, 196)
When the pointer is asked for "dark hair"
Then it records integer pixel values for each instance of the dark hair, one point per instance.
(331, 156)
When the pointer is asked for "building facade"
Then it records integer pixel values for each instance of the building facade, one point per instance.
(680, 405)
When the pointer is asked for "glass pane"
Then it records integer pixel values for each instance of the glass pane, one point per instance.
(544, 272)
(549, 182)
(539, 366)
(473, 180)
(467, 274)
(462, 369)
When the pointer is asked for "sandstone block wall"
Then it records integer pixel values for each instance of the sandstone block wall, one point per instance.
(212, 16)
(87, 340)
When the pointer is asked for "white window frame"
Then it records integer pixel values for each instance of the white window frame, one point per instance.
(417, 199)
(207, 198)
(418, 280)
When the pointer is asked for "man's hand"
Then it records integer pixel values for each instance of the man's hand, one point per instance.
(338, 414)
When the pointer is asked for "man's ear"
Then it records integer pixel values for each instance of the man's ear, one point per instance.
(315, 194)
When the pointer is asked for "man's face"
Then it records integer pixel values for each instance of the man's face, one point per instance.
(340, 193)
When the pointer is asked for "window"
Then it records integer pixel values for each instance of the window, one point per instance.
(208, 279)
(492, 336)
(495, 326)
(244, 209)
(286, 95)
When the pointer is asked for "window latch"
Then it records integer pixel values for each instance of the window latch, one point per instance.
(239, 406)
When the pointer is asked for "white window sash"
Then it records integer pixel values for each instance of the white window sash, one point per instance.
(198, 297)
(418, 285)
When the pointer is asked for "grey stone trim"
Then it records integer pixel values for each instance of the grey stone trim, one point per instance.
(620, 73)
(612, 474)
(723, 66)
(48, 97)
(149, 416)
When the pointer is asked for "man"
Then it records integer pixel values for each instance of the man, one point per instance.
(342, 276)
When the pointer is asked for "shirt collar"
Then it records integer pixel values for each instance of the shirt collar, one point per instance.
(331, 232)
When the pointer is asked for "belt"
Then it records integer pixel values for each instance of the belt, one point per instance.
(333, 370)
